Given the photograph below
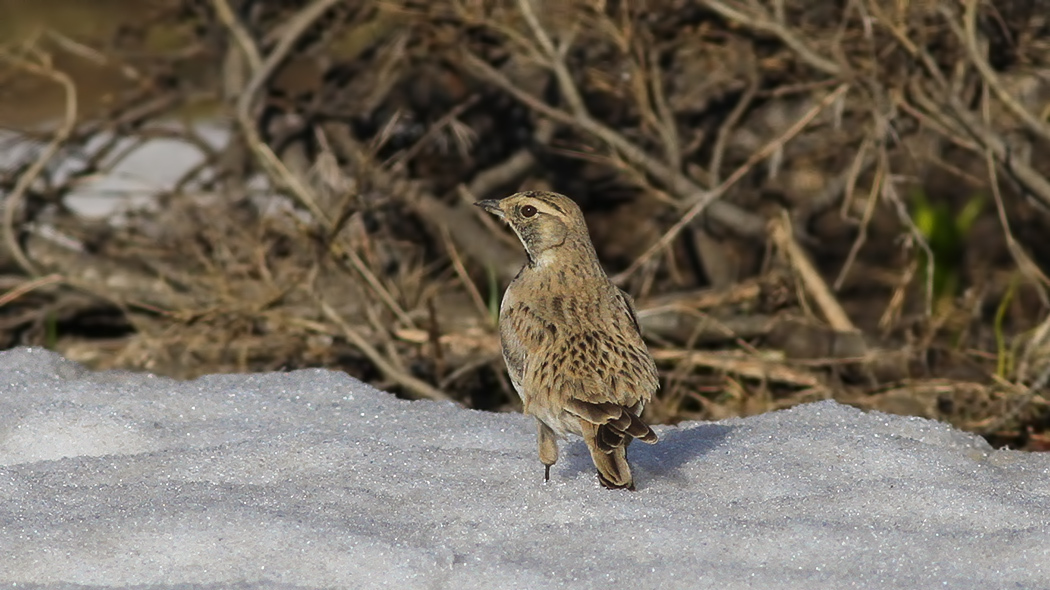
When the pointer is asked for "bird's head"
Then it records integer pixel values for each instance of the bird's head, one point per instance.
(544, 222)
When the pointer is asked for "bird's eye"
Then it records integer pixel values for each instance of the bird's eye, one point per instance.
(528, 211)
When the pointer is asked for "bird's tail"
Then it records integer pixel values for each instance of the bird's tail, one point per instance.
(607, 429)
(613, 470)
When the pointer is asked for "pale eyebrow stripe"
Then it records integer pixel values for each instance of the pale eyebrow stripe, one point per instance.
(549, 202)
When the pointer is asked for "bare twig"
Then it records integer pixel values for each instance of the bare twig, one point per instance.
(373, 282)
(340, 251)
(862, 233)
(262, 71)
(778, 142)
(69, 120)
(780, 232)
(766, 23)
(889, 192)
(240, 34)
(666, 124)
(398, 162)
(276, 169)
(1031, 179)
(1028, 395)
(417, 386)
(1024, 262)
(28, 286)
(969, 38)
(464, 276)
(555, 61)
(840, 189)
(1039, 341)
(428, 207)
(486, 181)
(83, 51)
(726, 130)
(689, 193)
(743, 364)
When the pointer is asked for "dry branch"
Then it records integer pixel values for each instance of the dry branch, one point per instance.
(681, 132)
(14, 200)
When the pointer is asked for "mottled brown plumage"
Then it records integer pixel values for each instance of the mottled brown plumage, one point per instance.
(570, 338)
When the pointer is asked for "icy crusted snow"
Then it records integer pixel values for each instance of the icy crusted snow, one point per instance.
(312, 479)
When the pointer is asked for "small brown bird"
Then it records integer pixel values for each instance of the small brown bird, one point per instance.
(570, 338)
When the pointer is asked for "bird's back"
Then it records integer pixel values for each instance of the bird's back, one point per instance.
(573, 338)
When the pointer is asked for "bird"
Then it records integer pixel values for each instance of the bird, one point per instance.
(571, 339)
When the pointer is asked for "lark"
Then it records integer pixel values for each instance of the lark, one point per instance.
(571, 339)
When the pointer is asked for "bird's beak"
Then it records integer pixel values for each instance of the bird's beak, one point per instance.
(492, 206)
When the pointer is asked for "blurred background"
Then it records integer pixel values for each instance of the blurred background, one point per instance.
(842, 200)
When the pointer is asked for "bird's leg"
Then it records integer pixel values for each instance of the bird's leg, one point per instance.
(548, 444)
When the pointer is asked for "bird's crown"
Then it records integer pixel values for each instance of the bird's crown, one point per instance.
(543, 221)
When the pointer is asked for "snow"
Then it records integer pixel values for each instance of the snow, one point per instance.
(146, 168)
(313, 479)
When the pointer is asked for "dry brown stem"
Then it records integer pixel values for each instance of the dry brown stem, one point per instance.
(13, 201)
(681, 130)
(415, 386)
(969, 36)
(699, 204)
(760, 20)
(780, 233)
(261, 72)
(690, 194)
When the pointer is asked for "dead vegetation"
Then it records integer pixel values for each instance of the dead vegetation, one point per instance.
(808, 200)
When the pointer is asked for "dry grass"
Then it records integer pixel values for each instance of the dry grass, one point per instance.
(783, 186)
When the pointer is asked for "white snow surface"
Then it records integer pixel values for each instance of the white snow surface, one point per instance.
(144, 170)
(313, 479)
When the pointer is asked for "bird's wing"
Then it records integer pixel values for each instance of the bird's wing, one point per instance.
(605, 364)
(649, 376)
(598, 371)
(513, 349)
(525, 338)
(615, 423)
(627, 302)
